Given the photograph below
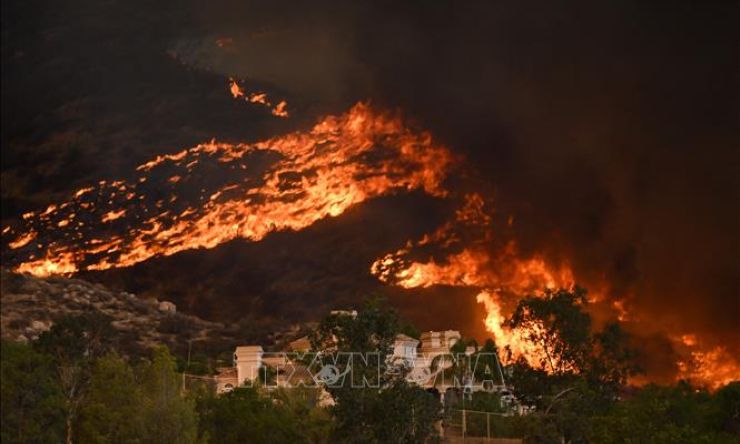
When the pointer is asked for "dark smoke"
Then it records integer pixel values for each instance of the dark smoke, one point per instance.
(609, 132)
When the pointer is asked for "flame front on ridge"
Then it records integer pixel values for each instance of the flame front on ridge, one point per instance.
(472, 265)
(215, 192)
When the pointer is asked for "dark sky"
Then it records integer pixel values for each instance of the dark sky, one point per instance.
(609, 131)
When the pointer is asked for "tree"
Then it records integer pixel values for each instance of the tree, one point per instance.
(667, 415)
(167, 415)
(373, 401)
(727, 408)
(314, 421)
(581, 372)
(245, 416)
(31, 401)
(557, 324)
(75, 343)
(144, 405)
(403, 413)
(612, 361)
(111, 412)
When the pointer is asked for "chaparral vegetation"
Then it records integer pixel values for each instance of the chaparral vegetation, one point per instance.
(74, 384)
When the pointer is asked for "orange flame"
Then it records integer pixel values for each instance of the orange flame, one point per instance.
(471, 268)
(474, 266)
(513, 340)
(508, 273)
(279, 110)
(712, 368)
(235, 89)
(23, 240)
(341, 161)
(113, 215)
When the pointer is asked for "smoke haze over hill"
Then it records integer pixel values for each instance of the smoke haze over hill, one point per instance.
(601, 138)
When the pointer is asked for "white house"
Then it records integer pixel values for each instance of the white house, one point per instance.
(427, 361)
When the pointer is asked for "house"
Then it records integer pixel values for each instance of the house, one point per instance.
(428, 361)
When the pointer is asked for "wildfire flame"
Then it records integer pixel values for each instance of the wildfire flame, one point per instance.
(507, 276)
(713, 368)
(474, 266)
(215, 192)
(237, 191)
(280, 110)
(513, 340)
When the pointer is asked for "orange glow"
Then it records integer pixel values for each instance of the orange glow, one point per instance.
(622, 313)
(689, 340)
(507, 276)
(342, 161)
(513, 340)
(83, 191)
(113, 215)
(236, 91)
(474, 266)
(23, 240)
(260, 98)
(279, 110)
(61, 263)
(712, 368)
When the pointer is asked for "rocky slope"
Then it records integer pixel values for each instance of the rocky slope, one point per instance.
(29, 306)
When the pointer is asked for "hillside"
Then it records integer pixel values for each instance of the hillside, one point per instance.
(30, 305)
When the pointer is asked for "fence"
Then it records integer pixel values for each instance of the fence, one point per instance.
(192, 382)
(477, 427)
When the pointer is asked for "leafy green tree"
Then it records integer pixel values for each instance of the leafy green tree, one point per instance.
(373, 403)
(581, 373)
(136, 406)
(403, 413)
(727, 408)
(31, 401)
(558, 324)
(245, 416)
(111, 412)
(486, 402)
(167, 415)
(75, 342)
(666, 415)
(612, 361)
(315, 422)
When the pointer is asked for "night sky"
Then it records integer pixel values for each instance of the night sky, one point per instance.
(608, 133)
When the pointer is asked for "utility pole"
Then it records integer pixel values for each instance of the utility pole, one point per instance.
(464, 424)
(190, 346)
(187, 366)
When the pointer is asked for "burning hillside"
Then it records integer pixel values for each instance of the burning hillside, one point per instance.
(527, 158)
(216, 192)
(469, 258)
